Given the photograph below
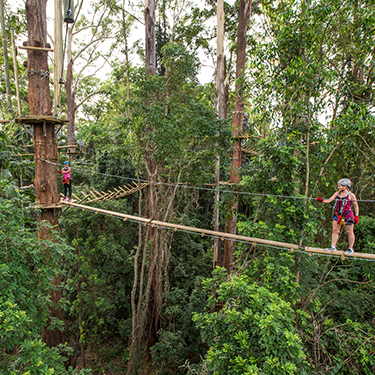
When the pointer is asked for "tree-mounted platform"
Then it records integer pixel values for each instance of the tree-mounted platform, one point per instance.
(28, 121)
(38, 118)
(42, 206)
(36, 48)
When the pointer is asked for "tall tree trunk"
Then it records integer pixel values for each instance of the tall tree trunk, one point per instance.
(127, 62)
(57, 55)
(5, 51)
(39, 101)
(70, 106)
(151, 204)
(150, 51)
(231, 222)
(222, 104)
(151, 293)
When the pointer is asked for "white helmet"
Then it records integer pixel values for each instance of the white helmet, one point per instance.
(345, 182)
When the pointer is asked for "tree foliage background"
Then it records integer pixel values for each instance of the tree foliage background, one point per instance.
(308, 90)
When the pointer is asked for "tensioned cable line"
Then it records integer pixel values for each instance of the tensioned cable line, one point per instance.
(196, 187)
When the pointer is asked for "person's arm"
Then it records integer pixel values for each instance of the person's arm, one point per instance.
(353, 198)
(329, 200)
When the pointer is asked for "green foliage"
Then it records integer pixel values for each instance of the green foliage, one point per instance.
(170, 352)
(253, 332)
(27, 267)
(102, 266)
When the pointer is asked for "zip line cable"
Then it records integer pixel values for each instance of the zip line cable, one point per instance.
(195, 187)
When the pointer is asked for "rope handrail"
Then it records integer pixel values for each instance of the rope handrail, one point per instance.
(199, 187)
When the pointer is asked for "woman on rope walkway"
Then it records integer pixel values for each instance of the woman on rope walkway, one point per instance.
(343, 214)
(67, 173)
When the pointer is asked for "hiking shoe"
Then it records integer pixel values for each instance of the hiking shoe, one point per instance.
(64, 199)
(69, 199)
(331, 248)
(349, 251)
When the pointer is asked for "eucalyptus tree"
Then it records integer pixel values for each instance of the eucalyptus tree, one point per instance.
(87, 39)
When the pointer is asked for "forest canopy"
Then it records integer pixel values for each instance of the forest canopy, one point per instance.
(235, 118)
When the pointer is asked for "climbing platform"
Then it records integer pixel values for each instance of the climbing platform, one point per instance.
(42, 206)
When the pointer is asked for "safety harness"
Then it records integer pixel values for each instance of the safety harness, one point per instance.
(66, 180)
(339, 213)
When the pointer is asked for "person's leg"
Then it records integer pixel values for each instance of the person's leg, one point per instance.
(65, 190)
(70, 189)
(335, 232)
(351, 237)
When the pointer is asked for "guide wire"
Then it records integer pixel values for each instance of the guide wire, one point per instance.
(197, 187)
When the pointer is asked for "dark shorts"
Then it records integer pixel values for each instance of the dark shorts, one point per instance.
(348, 220)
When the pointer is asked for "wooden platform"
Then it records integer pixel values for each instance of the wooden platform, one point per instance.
(36, 48)
(48, 206)
(31, 119)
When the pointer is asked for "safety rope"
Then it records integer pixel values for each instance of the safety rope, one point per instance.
(197, 187)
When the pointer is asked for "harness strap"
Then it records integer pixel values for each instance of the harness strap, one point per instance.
(344, 201)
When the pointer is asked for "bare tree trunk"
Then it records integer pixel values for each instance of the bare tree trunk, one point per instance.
(39, 101)
(149, 302)
(70, 107)
(127, 62)
(220, 93)
(150, 55)
(231, 222)
(5, 51)
(57, 55)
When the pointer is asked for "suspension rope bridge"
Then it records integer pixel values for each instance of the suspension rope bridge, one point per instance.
(224, 236)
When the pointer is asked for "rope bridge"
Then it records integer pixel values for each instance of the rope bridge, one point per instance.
(120, 192)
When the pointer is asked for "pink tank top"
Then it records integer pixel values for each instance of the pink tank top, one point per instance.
(67, 174)
(347, 210)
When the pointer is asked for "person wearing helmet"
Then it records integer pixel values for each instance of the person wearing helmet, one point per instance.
(244, 122)
(343, 214)
(67, 177)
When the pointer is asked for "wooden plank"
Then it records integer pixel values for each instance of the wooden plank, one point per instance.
(84, 196)
(78, 199)
(118, 193)
(36, 48)
(39, 118)
(341, 253)
(93, 194)
(68, 146)
(4, 121)
(310, 250)
(110, 194)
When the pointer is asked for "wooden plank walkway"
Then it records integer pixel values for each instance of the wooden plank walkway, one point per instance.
(222, 235)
